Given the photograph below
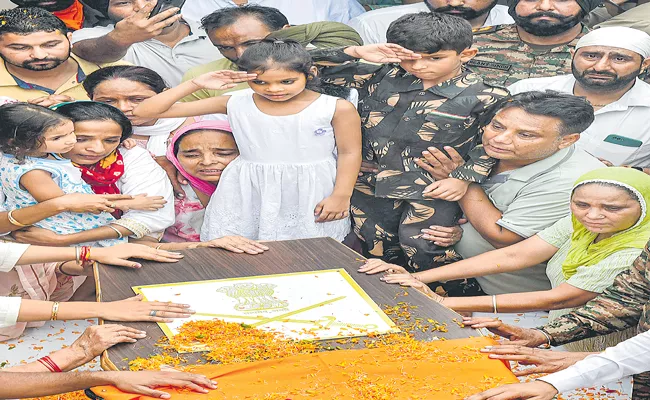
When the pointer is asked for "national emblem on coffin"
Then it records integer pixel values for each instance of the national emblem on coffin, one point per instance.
(254, 296)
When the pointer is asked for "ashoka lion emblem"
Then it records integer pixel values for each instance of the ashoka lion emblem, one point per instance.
(254, 296)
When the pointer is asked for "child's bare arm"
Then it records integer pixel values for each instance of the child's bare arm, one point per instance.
(164, 105)
(40, 185)
(347, 131)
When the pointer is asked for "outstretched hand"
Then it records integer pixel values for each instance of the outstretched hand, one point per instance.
(382, 53)
(222, 80)
(537, 390)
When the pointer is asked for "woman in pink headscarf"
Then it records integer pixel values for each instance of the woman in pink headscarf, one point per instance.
(200, 152)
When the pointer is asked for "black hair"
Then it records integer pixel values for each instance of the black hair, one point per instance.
(287, 54)
(269, 16)
(27, 20)
(575, 113)
(430, 32)
(23, 126)
(142, 75)
(94, 111)
(177, 144)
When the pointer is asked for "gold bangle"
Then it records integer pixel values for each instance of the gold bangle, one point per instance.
(14, 221)
(55, 311)
(159, 246)
(119, 234)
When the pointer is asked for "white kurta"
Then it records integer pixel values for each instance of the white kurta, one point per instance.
(627, 358)
(626, 118)
(142, 175)
(10, 253)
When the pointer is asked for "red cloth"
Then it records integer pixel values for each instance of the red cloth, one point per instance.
(103, 176)
(73, 16)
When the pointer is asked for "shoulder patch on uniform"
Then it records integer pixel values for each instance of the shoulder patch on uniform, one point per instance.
(489, 64)
(485, 29)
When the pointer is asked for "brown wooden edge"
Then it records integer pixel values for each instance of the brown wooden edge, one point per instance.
(105, 361)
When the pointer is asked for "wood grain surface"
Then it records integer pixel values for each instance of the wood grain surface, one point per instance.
(115, 283)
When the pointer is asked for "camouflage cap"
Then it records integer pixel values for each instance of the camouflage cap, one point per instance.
(586, 5)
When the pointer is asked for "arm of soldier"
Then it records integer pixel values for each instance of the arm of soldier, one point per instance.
(336, 67)
(618, 308)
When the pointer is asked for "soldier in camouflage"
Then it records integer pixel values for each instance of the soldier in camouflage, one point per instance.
(623, 305)
(539, 44)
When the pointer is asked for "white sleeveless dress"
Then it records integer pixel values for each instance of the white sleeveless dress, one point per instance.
(286, 166)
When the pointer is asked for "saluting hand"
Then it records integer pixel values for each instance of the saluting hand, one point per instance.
(382, 53)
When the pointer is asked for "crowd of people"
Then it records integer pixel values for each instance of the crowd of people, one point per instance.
(494, 156)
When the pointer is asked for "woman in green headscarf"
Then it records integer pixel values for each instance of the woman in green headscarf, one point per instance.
(608, 227)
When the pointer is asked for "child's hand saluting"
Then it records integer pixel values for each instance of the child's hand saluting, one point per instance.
(222, 80)
(332, 208)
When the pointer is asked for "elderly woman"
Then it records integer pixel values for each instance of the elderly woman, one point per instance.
(200, 152)
(124, 87)
(607, 230)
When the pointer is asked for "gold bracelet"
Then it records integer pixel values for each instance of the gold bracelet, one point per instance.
(14, 221)
(55, 311)
(159, 246)
(494, 303)
(119, 234)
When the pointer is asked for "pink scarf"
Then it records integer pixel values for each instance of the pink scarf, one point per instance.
(205, 187)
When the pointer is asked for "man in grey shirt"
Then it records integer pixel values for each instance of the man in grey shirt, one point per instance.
(532, 137)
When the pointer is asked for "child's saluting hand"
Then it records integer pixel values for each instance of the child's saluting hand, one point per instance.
(222, 80)
(332, 208)
(382, 53)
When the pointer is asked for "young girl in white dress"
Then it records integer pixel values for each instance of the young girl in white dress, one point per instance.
(300, 150)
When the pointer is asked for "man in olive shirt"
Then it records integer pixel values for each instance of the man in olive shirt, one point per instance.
(233, 30)
(539, 44)
(35, 49)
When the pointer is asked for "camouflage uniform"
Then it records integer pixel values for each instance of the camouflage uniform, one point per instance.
(400, 119)
(504, 59)
(623, 305)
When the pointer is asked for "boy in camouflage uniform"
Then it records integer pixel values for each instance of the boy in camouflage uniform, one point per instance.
(406, 108)
(504, 57)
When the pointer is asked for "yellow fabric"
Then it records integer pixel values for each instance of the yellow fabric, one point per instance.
(451, 369)
(72, 88)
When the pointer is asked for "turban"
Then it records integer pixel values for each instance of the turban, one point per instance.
(618, 36)
(586, 5)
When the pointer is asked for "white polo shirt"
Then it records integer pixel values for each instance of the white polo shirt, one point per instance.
(373, 25)
(171, 63)
(621, 132)
(298, 12)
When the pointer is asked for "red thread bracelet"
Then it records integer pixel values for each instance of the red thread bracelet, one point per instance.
(49, 364)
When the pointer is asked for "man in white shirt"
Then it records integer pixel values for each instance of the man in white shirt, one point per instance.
(297, 11)
(605, 67)
(627, 358)
(372, 26)
(166, 43)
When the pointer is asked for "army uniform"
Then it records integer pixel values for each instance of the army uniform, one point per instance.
(503, 58)
(400, 119)
(623, 305)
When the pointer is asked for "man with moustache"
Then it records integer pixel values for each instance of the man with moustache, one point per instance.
(74, 13)
(37, 63)
(167, 43)
(538, 44)
(372, 26)
(605, 67)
